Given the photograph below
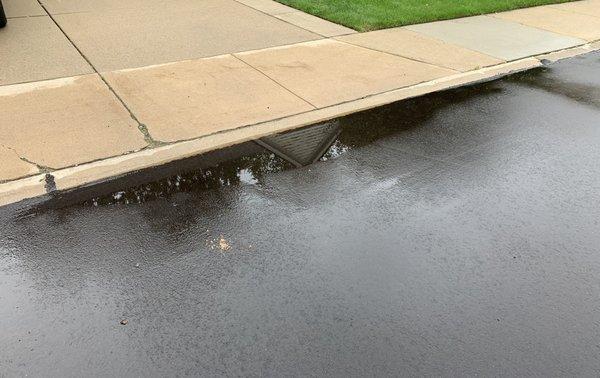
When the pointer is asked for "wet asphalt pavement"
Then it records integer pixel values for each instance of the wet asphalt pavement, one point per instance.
(455, 234)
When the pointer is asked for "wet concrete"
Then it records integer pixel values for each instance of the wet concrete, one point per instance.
(455, 234)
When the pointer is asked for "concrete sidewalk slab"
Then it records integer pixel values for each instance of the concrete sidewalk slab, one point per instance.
(64, 122)
(315, 24)
(127, 38)
(404, 42)
(12, 166)
(22, 8)
(268, 6)
(190, 99)
(589, 7)
(497, 37)
(33, 48)
(556, 20)
(329, 72)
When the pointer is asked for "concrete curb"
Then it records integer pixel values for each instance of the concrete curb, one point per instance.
(568, 53)
(98, 171)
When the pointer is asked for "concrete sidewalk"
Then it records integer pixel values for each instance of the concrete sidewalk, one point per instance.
(94, 89)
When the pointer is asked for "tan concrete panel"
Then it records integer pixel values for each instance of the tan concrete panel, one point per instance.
(329, 72)
(34, 49)
(315, 24)
(403, 42)
(190, 99)
(64, 122)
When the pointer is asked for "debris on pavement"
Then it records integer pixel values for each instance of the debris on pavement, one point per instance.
(223, 244)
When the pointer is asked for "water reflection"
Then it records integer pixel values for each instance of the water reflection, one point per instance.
(575, 79)
(271, 154)
(243, 170)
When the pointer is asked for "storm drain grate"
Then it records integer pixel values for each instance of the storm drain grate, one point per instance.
(305, 146)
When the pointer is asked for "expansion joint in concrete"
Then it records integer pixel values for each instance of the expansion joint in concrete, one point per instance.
(274, 81)
(143, 129)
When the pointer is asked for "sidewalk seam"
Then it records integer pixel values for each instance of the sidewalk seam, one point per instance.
(141, 127)
(396, 55)
(413, 59)
(26, 16)
(48, 79)
(273, 80)
(287, 22)
(554, 6)
(494, 15)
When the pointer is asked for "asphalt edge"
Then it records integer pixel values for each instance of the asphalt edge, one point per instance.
(103, 170)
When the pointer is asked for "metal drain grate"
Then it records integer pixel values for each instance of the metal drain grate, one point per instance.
(305, 146)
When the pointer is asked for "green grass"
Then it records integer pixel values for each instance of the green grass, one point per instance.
(365, 15)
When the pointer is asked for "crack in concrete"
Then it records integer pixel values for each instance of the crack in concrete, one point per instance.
(40, 167)
(273, 80)
(141, 127)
